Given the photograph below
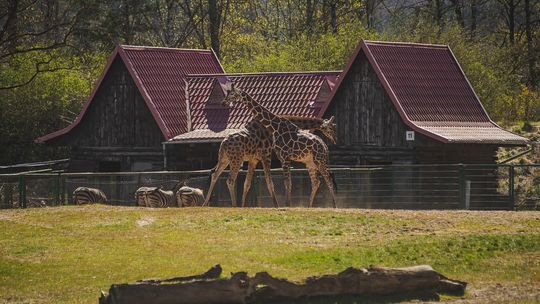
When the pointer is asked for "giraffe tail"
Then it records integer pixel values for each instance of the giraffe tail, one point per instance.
(334, 183)
(209, 180)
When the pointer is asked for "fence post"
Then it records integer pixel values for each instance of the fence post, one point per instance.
(57, 189)
(511, 192)
(62, 189)
(22, 191)
(462, 187)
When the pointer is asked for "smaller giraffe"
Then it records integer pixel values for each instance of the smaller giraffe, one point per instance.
(254, 144)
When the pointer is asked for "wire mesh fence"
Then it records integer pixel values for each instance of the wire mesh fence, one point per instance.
(393, 186)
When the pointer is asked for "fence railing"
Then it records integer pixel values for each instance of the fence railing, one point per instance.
(393, 186)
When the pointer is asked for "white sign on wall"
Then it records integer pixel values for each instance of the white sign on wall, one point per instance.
(409, 135)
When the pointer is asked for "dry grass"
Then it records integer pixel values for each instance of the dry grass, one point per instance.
(67, 254)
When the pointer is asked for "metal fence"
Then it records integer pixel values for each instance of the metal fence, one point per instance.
(394, 186)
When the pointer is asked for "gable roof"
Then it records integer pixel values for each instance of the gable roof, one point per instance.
(159, 74)
(291, 93)
(430, 92)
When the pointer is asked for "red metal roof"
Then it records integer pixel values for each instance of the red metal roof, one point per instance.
(160, 74)
(203, 135)
(295, 93)
(430, 91)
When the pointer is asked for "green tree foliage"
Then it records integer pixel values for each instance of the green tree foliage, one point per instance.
(50, 102)
(51, 51)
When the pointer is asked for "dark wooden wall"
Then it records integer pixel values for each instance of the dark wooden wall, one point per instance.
(370, 130)
(195, 156)
(456, 153)
(117, 127)
(118, 115)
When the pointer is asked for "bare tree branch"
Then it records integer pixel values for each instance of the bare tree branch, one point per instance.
(37, 71)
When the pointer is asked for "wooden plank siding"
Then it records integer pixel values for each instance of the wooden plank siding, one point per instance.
(370, 130)
(118, 126)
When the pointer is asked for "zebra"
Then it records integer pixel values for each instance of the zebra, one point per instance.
(84, 195)
(189, 197)
(139, 195)
(156, 197)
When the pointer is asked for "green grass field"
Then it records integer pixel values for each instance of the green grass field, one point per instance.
(67, 254)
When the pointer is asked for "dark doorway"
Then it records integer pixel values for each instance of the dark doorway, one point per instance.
(109, 166)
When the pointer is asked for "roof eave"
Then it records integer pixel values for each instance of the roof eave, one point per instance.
(194, 141)
(47, 137)
(499, 143)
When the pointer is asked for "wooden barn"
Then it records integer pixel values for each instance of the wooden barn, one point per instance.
(394, 103)
(406, 103)
(138, 102)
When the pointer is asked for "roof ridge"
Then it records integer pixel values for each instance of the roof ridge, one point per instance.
(158, 48)
(337, 72)
(406, 43)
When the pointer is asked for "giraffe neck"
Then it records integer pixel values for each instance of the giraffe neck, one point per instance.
(305, 123)
(267, 119)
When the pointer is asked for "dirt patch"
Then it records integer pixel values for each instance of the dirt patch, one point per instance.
(145, 221)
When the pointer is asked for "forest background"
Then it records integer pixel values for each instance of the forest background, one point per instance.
(52, 51)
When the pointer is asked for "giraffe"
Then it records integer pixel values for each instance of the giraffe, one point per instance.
(254, 144)
(289, 143)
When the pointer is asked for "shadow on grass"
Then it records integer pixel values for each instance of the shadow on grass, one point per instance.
(354, 299)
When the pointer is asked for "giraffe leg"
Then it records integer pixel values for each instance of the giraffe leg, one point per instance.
(287, 181)
(231, 181)
(247, 183)
(269, 183)
(312, 170)
(323, 168)
(222, 164)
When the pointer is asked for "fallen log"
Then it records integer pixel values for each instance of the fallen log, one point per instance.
(418, 282)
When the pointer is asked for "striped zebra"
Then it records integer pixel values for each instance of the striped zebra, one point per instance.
(84, 195)
(189, 197)
(140, 195)
(157, 198)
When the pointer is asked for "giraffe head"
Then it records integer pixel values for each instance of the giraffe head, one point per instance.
(328, 128)
(234, 95)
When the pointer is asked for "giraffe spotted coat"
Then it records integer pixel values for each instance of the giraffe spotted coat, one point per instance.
(254, 144)
(289, 143)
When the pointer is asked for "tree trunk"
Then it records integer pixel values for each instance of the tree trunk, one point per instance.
(126, 25)
(474, 11)
(418, 282)
(530, 54)
(10, 29)
(309, 14)
(511, 21)
(215, 18)
(457, 11)
(333, 16)
(170, 14)
(509, 11)
(436, 10)
(370, 12)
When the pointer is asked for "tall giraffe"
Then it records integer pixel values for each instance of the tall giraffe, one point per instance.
(254, 144)
(289, 143)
